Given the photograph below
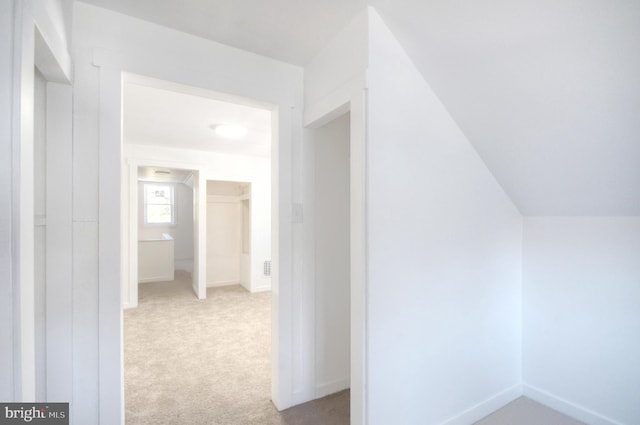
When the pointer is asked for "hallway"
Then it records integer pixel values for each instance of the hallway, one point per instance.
(207, 362)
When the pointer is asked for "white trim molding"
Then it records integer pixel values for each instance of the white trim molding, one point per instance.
(568, 408)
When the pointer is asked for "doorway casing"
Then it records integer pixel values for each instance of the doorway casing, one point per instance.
(287, 131)
(351, 98)
(129, 250)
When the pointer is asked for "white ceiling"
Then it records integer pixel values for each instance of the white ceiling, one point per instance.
(288, 30)
(170, 115)
(547, 91)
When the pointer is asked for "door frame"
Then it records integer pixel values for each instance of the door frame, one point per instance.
(130, 242)
(35, 46)
(352, 98)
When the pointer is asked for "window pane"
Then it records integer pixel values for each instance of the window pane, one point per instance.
(158, 194)
(159, 214)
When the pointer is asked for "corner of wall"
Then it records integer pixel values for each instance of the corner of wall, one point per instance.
(486, 407)
(453, 213)
(568, 408)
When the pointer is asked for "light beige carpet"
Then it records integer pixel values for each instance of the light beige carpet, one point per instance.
(207, 362)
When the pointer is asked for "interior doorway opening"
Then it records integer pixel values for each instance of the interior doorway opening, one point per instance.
(172, 128)
(229, 234)
(332, 246)
(46, 227)
(340, 250)
(166, 242)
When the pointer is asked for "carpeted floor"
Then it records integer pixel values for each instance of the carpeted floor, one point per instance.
(207, 362)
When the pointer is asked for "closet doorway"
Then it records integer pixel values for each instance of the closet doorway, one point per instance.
(228, 233)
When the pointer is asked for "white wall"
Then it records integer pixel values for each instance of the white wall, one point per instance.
(33, 33)
(336, 72)
(40, 210)
(6, 257)
(444, 263)
(336, 69)
(181, 232)
(582, 316)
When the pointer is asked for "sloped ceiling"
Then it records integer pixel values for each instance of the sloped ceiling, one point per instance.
(288, 30)
(547, 91)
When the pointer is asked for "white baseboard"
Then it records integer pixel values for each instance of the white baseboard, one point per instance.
(222, 283)
(164, 278)
(263, 288)
(128, 306)
(568, 408)
(301, 397)
(485, 408)
(332, 387)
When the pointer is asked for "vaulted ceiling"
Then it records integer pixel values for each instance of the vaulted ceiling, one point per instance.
(547, 91)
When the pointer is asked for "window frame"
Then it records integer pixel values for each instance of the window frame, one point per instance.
(172, 204)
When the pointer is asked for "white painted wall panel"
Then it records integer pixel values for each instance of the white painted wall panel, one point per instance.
(582, 316)
(444, 262)
(85, 406)
(85, 171)
(6, 257)
(245, 271)
(110, 332)
(333, 71)
(40, 214)
(59, 295)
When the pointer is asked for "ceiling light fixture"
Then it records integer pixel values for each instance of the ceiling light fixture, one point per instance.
(230, 131)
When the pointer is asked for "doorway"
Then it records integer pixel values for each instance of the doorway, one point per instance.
(172, 128)
(229, 234)
(332, 256)
(46, 178)
(166, 242)
(338, 138)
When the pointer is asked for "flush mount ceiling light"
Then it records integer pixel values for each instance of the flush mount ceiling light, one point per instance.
(230, 131)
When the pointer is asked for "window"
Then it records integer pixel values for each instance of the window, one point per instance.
(159, 205)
